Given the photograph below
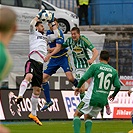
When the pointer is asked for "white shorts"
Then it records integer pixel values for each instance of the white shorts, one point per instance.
(84, 106)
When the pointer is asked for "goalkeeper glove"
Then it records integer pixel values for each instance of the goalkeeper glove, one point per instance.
(52, 19)
(40, 13)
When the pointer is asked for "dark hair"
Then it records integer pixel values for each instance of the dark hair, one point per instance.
(104, 55)
(55, 19)
(76, 29)
(38, 22)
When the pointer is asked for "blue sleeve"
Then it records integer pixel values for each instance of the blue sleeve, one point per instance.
(60, 41)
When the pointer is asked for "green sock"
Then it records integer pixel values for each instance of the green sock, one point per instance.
(82, 95)
(77, 124)
(88, 125)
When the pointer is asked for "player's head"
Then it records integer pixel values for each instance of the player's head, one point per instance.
(56, 22)
(75, 33)
(7, 22)
(104, 56)
(40, 27)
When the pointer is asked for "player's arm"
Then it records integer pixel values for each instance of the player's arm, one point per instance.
(130, 91)
(32, 25)
(94, 56)
(91, 47)
(52, 37)
(117, 86)
(55, 50)
(34, 21)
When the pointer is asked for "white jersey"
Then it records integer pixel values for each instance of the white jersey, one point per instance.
(38, 43)
(38, 46)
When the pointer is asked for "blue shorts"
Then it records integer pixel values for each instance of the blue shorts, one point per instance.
(55, 63)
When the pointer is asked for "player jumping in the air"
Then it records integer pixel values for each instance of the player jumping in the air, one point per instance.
(34, 66)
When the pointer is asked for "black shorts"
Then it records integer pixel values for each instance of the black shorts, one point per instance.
(36, 69)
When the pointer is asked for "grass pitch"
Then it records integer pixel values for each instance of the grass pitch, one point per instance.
(99, 126)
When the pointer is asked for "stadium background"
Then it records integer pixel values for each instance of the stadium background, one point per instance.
(116, 36)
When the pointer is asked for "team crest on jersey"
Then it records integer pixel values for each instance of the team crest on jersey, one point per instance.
(77, 49)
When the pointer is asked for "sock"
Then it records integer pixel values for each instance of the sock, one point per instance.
(23, 87)
(77, 124)
(82, 95)
(88, 125)
(75, 82)
(34, 102)
(46, 91)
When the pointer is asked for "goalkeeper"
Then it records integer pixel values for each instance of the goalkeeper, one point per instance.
(34, 65)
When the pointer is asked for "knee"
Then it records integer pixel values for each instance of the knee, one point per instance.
(37, 91)
(28, 77)
(45, 78)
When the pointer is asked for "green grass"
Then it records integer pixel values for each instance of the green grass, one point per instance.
(99, 126)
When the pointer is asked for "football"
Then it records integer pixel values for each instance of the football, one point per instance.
(46, 16)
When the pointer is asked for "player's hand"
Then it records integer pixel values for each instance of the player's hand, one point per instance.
(47, 58)
(111, 98)
(39, 15)
(90, 61)
(129, 93)
(50, 50)
(76, 92)
(52, 19)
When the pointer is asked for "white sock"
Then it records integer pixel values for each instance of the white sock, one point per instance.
(23, 87)
(34, 102)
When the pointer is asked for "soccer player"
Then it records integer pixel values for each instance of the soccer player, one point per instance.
(34, 66)
(8, 27)
(58, 58)
(84, 54)
(129, 93)
(104, 76)
(83, 51)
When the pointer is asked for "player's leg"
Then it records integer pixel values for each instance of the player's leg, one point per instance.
(66, 66)
(77, 121)
(85, 10)
(88, 123)
(79, 74)
(34, 102)
(36, 85)
(108, 110)
(51, 69)
(71, 78)
(46, 90)
(27, 78)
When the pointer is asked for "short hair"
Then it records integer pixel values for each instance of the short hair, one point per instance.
(104, 55)
(38, 22)
(76, 29)
(55, 19)
(7, 19)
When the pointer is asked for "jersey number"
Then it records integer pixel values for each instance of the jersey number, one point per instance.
(104, 80)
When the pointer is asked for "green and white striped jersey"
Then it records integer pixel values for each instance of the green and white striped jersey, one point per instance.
(80, 50)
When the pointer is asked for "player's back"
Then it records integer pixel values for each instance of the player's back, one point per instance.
(105, 77)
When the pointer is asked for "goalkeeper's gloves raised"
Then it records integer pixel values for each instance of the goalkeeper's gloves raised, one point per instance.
(52, 20)
(39, 15)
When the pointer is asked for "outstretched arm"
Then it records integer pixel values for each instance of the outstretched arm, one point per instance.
(32, 25)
